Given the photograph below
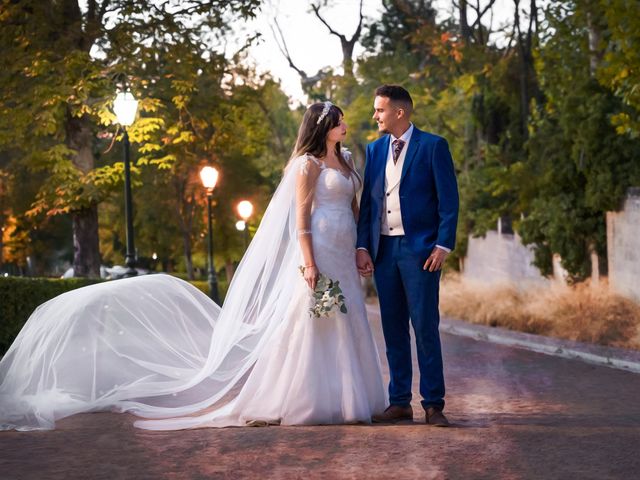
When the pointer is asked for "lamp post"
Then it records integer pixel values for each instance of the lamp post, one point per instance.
(125, 107)
(245, 210)
(209, 177)
(241, 226)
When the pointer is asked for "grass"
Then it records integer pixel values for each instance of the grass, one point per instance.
(583, 312)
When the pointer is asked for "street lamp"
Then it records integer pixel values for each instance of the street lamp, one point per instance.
(125, 107)
(245, 210)
(241, 226)
(209, 177)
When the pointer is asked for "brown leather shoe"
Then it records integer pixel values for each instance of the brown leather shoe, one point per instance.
(436, 418)
(393, 414)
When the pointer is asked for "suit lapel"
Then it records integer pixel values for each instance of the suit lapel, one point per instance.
(414, 143)
(380, 158)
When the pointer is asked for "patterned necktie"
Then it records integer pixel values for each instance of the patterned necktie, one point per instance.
(398, 145)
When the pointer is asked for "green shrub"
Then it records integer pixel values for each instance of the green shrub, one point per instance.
(203, 286)
(20, 296)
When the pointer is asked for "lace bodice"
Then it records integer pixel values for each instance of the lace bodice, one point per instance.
(321, 187)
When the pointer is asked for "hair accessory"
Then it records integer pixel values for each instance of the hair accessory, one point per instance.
(325, 112)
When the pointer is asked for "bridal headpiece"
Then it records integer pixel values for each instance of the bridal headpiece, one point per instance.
(325, 111)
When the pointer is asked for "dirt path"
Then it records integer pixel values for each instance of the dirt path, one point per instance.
(518, 415)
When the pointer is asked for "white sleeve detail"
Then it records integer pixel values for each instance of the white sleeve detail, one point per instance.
(305, 163)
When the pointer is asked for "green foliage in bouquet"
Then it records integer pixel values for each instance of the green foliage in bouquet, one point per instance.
(327, 295)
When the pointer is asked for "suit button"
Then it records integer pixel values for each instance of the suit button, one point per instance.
(388, 211)
(388, 194)
(390, 228)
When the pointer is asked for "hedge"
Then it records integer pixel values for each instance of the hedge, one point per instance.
(19, 297)
(203, 286)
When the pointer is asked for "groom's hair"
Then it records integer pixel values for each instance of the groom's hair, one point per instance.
(398, 95)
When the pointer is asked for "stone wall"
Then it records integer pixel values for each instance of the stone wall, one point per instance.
(623, 247)
(500, 257)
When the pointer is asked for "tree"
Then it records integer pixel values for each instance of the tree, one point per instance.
(242, 125)
(347, 44)
(56, 94)
(620, 67)
(321, 85)
(5, 213)
(578, 166)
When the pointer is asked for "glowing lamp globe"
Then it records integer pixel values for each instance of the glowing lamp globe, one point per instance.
(245, 209)
(240, 225)
(125, 107)
(209, 177)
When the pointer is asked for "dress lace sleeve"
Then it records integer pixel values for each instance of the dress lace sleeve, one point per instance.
(308, 171)
(346, 154)
(348, 157)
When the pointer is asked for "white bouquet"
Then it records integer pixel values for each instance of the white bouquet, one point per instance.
(327, 295)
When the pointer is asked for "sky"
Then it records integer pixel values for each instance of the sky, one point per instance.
(310, 44)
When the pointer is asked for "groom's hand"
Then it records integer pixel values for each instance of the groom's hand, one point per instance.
(435, 260)
(364, 263)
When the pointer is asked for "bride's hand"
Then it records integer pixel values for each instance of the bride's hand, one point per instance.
(311, 276)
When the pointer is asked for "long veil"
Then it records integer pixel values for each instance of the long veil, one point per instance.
(154, 345)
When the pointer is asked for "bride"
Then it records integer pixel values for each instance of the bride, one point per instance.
(157, 347)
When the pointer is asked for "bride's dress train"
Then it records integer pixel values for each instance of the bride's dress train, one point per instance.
(157, 347)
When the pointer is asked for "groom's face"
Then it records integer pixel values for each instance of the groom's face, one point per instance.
(385, 114)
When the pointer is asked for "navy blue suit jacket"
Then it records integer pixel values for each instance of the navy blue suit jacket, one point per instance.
(428, 194)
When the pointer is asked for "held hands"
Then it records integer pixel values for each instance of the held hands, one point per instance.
(364, 263)
(310, 275)
(435, 260)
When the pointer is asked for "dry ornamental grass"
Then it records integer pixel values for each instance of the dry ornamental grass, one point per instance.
(583, 312)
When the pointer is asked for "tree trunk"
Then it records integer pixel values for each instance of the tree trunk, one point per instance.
(229, 269)
(524, 96)
(2, 217)
(595, 36)
(2, 221)
(464, 22)
(595, 268)
(86, 245)
(1, 245)
(523, 48)
(347, 58)
(528, 83)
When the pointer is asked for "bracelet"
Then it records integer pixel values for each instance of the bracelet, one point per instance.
(309, 266)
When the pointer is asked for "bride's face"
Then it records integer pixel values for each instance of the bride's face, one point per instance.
(338, 133)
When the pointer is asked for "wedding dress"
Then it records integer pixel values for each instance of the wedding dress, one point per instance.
(159, 348)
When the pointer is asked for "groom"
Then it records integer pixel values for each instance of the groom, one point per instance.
(407, 227)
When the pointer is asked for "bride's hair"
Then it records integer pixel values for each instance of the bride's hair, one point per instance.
(312, 135)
